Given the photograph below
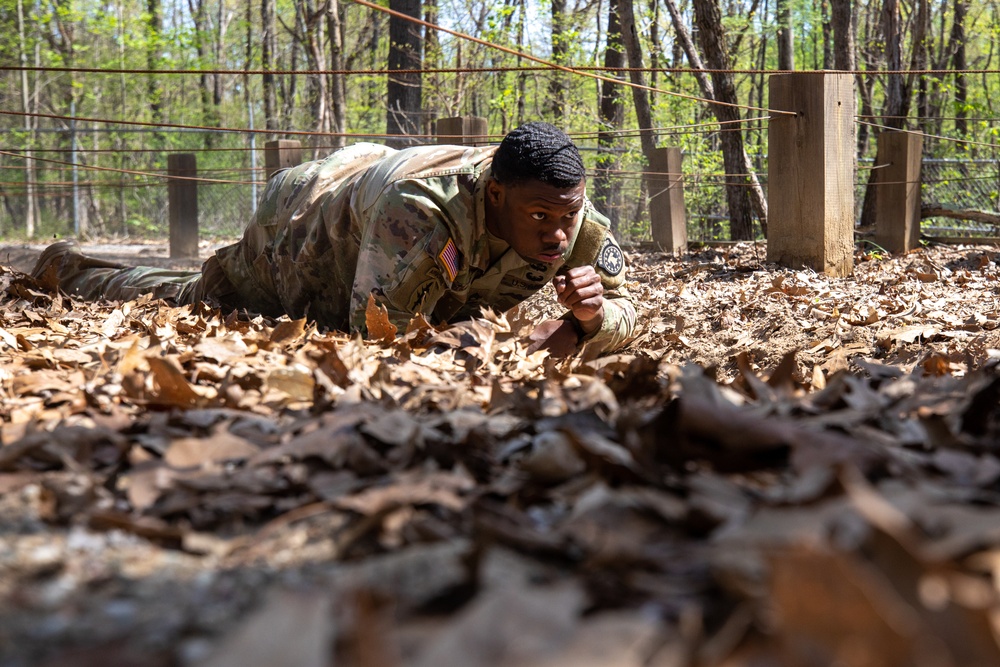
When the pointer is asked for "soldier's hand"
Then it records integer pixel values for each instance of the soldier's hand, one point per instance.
(580, 290)
(559, 337)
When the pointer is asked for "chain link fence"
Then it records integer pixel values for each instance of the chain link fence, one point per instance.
(967, 184)
(76, 185)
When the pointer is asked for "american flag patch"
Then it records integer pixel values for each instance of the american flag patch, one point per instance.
(449, 258)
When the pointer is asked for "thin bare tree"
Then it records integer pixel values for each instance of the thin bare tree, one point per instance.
(607, 188)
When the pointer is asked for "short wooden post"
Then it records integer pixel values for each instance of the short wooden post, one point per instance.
(668, 219)
(280, 154)
(182, 201)
(462, 130)
(811, 163)
(897, 198)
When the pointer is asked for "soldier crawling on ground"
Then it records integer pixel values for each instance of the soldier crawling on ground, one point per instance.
(437, 230)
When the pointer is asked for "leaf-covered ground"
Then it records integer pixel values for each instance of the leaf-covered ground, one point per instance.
(782, 469)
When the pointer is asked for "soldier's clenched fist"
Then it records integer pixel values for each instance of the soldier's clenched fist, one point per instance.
(580, 290)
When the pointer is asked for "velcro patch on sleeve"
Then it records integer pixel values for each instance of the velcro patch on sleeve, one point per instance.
(449, 259)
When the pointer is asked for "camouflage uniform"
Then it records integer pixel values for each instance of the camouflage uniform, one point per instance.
(408, 226)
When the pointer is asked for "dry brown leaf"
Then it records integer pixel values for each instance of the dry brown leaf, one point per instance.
(171, 387)
(377, 321)
(288, 332)
(217, 448)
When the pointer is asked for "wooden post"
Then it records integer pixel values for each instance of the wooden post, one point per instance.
(811, 163)
(897, 199)
(668, 220)
(182, 199)
(280, 154)
(462, 130)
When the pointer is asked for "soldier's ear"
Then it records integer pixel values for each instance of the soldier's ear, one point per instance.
(494, 192)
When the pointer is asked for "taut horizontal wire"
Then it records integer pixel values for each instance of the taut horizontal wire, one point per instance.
(548, 67)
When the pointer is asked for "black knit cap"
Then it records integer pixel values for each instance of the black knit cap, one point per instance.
(538, 151)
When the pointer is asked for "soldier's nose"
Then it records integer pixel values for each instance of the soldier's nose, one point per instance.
(554, 236)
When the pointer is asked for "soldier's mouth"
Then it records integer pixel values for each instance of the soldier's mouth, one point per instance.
(551, 255)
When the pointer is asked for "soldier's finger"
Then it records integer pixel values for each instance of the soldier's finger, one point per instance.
(572, 297)
(582, 282)
(581, 271)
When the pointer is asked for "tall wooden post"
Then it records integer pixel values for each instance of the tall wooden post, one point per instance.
(811, 163)
(897, 197)
(462, 130)
(182, 200)
(281, 153)
(668, 220)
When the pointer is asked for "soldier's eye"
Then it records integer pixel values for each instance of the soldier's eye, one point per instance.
(537, 216)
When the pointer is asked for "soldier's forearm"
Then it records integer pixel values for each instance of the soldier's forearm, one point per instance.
(617, 325)
(590, 326)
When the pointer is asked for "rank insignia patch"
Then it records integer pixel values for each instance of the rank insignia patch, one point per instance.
(449, 259)
(610, 259)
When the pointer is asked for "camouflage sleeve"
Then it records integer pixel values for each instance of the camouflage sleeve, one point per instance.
(400, 257)
(620, 316)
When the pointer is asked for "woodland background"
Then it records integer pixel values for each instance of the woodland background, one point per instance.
(115, 86)
(782, 468)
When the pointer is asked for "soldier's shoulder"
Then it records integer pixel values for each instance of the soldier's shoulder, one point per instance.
(596, 245)
(594, 229)
(431, 161)
(595, 217)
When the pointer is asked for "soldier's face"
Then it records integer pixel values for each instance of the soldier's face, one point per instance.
(536, 219)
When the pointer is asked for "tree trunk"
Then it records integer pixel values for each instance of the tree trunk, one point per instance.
(919, 59)
(310, 20)
(31, 200)
(288, 84)
(607, 186)
(958, 60)
(827, 35)
(209, 116)
(62, 40)
(557, 80)
(338, 92)
(756, 193)
(655, 43)
(221, 26)
(712, 36)
(432, 55)
(522, 81)
(640, 97)
(843, 35)
(154, 88)
(786, 50)
(267, 63)
(403, 91)
(896, 100)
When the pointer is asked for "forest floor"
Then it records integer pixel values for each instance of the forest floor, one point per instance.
(781, 469)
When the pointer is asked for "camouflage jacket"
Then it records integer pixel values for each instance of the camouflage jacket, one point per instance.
(409, 227)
